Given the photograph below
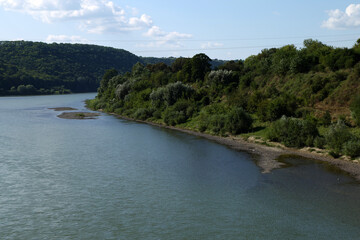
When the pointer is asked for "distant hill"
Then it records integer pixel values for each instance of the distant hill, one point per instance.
(153, 60)
(41, 68)
(77, 67)
(215, 63)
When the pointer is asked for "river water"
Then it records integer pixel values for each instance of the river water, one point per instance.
(108, 178)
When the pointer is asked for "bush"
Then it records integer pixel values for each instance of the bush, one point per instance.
(274, 109)
(319, 142)
(170, 94)
(157, 114)
(122, 90)
(173, 117)
(142, 113)
(30, 89)
(157, 97)
(293, 132)
(222, 77)
(352, 148)
(176, 91)
(217, 123)
(337, 135)
(219, 120)
(90, 103)
(238, 121)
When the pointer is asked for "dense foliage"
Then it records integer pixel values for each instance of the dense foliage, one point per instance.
(340, 140)
(291, 92)
(294, 132)
(59, 68)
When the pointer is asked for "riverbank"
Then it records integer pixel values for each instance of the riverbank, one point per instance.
(266, 156)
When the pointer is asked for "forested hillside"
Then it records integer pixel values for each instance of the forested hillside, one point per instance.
(40, 68)
(300, 97)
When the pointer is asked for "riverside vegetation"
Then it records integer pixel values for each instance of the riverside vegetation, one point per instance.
(299, 97)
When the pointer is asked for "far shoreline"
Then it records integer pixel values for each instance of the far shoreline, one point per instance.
(265, 157)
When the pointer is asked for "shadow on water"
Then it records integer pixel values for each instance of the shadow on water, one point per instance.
(295, 161)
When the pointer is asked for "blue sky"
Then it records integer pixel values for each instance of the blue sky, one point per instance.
(228, 29)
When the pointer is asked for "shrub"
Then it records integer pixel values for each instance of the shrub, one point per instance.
(175, 91)
(170, 94)
(157, 114)
(90, 103)
(217, 123)
(98, 104)
(352, 148)
(172, 117)
(142, 113)
(157, 97)
(238, 121)
(274, 109)
(122, 90)
(218, 120)
(337, 135)
(217, 77)
(202, 127)
(319, 142)
(293, 132)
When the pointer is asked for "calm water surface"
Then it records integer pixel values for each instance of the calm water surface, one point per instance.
(112, 179)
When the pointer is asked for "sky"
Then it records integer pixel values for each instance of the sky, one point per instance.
(227, 29)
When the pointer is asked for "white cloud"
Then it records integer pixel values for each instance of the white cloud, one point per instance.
(208, 45)
(133, 10)
(95, 16)
(143, 21)
(170, 39)
(343, 20)
(65, 38)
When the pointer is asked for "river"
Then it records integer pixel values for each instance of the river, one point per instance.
(108, 178)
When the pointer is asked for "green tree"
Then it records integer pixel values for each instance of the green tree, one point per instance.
(282, 59)
(200, 64)
(110, 73)
(178, 64)
(337, 135)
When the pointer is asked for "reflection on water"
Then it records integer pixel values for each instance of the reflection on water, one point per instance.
(107, 178)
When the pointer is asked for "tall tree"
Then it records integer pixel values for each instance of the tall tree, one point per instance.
(200, 64)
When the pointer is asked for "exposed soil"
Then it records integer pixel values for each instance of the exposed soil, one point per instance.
(63, 109)
(78, 115)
